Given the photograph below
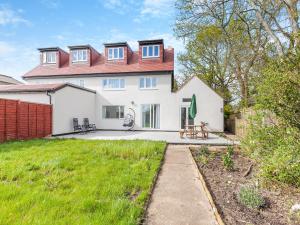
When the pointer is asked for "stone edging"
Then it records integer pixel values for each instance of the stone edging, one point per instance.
(154, 181)
(210, 199)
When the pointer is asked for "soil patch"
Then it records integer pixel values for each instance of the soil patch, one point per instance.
(224, 187)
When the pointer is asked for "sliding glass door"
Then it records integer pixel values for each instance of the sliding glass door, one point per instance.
(150, 116)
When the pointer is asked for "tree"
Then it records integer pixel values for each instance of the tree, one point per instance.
(243, 37)
(280, 20)
(208, 57)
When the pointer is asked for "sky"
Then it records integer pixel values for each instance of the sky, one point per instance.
(26, 25)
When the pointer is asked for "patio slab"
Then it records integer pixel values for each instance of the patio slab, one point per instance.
(169, 137)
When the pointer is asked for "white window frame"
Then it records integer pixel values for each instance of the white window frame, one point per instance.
(112, 55)
(147, 51)
(104, 112)
(151, 87)
(151, 105)
(77, 53)
(108, 88)
(48, 57)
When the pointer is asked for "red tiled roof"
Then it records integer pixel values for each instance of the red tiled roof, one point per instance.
(100, 67)
(37, 87)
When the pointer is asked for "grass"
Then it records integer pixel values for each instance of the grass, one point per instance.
(76, 181)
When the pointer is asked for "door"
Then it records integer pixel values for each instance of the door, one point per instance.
(185, 118)
(150, 116)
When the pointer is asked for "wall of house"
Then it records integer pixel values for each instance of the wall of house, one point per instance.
(35, 97)
(71, 103)
(209, 104)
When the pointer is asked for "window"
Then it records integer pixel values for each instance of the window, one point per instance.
(116, 53)
(79, 55)
(49, 57)
(150, 51)
(150, 116)
(113, 83)
(148, 82)
(113, 112)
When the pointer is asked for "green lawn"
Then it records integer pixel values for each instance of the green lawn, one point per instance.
(76, 181)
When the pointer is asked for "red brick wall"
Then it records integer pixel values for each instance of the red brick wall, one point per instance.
(22, 120)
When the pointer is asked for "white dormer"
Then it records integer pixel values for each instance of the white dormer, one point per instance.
(79, 55)
(49, 57)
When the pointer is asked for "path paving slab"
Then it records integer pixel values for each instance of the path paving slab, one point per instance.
(179, 197)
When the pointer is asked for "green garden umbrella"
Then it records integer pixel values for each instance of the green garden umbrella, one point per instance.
(193, 107)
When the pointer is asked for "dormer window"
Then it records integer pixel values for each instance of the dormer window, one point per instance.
(79, 55)
(150, 51)
(49, 57)
(115, 53)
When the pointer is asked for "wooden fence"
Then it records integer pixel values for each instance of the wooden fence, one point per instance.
(23, 120)
(238, 123)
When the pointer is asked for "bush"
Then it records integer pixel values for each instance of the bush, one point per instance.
(204, 155)
(273, 138)
(251, 198)
(204, 150)
(230, 150)
(227, 161)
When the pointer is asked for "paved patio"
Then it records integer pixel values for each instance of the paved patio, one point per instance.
(169, 137)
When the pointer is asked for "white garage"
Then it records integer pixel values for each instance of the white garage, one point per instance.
(69, 101)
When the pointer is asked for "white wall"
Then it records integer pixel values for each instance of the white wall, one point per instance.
(209, 104)
(69, 103)
(37, 97)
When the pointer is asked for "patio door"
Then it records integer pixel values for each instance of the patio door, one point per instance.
(150, 116)
(185, 119)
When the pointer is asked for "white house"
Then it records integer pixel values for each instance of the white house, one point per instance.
(125, 81)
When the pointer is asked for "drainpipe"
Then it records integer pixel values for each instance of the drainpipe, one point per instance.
(50, 97)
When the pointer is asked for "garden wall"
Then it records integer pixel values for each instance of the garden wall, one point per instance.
(23, 120)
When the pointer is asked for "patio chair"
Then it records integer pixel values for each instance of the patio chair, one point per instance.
(204, 130)
(88, 126)
(76, 126)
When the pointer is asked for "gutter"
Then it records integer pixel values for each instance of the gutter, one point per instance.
(50, 97)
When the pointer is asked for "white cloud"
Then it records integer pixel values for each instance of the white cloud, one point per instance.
(5, 48)
(52, 4)
(9, 16)
(118, 6)
(112, 4)
(15, 60)
(157, 8)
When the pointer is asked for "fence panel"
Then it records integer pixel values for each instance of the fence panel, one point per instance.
(2, 120)
(11, 119)
(22, 120)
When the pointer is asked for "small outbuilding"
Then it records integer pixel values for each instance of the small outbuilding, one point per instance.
(69, 101)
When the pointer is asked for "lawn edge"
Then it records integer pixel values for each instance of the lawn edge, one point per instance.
(154, 181)
(207, 192)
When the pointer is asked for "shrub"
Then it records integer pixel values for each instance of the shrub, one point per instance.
(276, 149)
(273, 138)
(230, 150)
(204, 154)
(227, 161)
(251, 198)
(204, 150)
